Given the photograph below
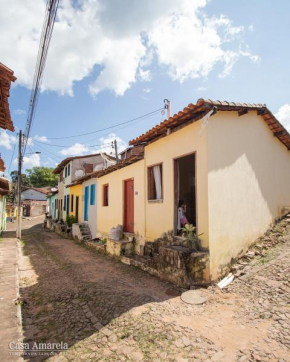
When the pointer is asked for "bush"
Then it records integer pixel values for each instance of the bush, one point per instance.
(191, 240)
(70, 219)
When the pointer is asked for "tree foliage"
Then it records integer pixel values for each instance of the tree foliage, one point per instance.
(42, 177)
(24, 178)
(36, 177)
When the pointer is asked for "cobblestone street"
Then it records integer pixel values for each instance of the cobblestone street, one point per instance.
(108, 311)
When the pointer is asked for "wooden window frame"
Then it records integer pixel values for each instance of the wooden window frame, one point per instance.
(149, 182)
(106, 192)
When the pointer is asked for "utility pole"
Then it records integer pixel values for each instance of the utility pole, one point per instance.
(18, 234)
(116, 150)
(168, 107)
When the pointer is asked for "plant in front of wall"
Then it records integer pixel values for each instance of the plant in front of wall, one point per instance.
(70, 219)
(190, 238)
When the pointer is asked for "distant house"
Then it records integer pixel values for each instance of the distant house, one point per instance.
(73, 168)
(34, 201)
(52, 203)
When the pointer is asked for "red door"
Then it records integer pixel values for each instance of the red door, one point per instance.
(129, 206)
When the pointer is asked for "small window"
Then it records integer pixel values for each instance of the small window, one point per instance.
(65, 170)
(89, 168)
(72, 203)
(106, 195)
(68, 169)
(93, 195)
(155, 191)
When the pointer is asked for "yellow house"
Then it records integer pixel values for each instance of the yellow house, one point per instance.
(121, 199)
(223, 167)
(75, 194)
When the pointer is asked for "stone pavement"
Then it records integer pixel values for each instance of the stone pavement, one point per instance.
(108, 311)
(10, 329)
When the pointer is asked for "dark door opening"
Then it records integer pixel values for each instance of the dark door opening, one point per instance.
(77, 209)
(185, 193)
(129, 206)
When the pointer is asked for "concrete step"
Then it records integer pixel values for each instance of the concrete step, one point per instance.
(86, 232)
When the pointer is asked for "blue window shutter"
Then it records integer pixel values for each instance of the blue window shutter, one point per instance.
(65, 174)
(68, 170)
(93, 194)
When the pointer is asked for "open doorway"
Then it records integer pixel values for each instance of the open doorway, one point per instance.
(185, 192)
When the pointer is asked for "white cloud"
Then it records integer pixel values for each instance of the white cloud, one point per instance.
(31, 161)
(104, 145)
(19, 111)
(145, 75)
(75, 150)
(201, 89)
(120, 38)
(191, 45)
(283, 116)
(147, 90)
(107, 142)
(7, 140)
(41, 138)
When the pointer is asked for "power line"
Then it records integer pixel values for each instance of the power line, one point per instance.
(104, 129)
(45, 150)
(104, 144)
(49, 144)
(47, 155)
(129, 125)
(11, 158)
(50, 14)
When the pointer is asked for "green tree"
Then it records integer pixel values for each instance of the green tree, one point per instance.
(42, 176)
(24, 178)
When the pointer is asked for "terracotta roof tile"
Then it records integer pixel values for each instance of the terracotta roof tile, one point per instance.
(194, 112)
(6, 77)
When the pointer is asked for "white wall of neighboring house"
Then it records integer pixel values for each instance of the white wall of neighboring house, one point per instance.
(67, 180)
(31, 194)
(248, 183)
(92, 209)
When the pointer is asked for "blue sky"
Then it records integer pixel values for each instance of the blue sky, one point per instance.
(111, 63)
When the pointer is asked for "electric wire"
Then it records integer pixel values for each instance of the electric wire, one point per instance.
(53, 145)
(47, 155)
(104, 144)
(11, 158)
(49, 20)
(110, 127)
